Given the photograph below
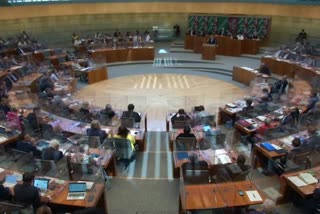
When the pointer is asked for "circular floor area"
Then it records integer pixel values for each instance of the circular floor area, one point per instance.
(157, 94)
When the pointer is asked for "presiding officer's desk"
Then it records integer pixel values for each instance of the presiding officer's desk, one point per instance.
(244, 75)
(109, 55)
(214, 196)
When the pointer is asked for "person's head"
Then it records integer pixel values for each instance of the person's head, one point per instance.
(312, 130)
(181, 111)
(313, 94)
(54, 144)
(27, 177)
(36, 110)
(123, 131)
(248, 102)
(85, 105)
(302, 30)
(241, 159)
(267, 121)
(108, 108)
(296, 142)
(130, 107)
(14, 109)
(268, 206)
(187, 130)
(44, 210)
(265, 90)
(95, 124)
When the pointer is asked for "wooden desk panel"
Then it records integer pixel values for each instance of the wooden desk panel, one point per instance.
(136, 54)
(208, 52)
(198, 41)
(212, 196)
(97, 74)
(228, 46)
(279, 67)
(304, 191)
(188, 42)
(250, 46)
(243, 75)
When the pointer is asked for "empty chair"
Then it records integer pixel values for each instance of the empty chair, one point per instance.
(45, 168)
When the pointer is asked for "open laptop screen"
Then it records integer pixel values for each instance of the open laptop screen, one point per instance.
(77, 187)
(41, 183)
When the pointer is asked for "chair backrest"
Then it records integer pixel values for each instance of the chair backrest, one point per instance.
(301, 158)
(220, 138)
(91, 141)
(127, 122)
(10, 207)
(180, 124)
(185, 144)
(208, 120)
(45, 167)
(243, 175)
(195, 173)
(123, 148)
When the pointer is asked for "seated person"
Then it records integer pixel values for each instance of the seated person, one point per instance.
(13, 119)
(212, 40)
(263, 128)
(28, 144)
(84, 108)
(266, 96)
(58, 105)
(241, 162)
(95, 130)
(108, 112)
(33, 118)
(46, 82)
(248, 105)
(123, 132)
(131, 114)
(25, 193)
(287, 121)
(5, 193)
(52, 152)
(186, 133)
(4, 105)
(44, 210)
(180, 116)
(310, 204)
(312, 102)
(264, 69)
(313, 140)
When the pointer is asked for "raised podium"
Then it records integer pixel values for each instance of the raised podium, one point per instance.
(208, 52)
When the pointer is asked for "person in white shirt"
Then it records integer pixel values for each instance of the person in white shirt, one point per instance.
(77, 42)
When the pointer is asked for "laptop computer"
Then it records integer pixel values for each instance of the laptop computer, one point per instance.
(42, 184)
(11, 180)
(77, 191)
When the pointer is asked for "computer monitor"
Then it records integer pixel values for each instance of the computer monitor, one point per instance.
(41, 183)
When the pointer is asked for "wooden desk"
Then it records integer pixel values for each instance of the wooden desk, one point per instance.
(198, 42)
(228, 46)
(304, 191)
(213, 196)
(55, 59)
(97, 74)
(262, 154)
(108, 55)
(243, 75)
(59, 200)
(188, 42)
(250, 46)
(208, 52)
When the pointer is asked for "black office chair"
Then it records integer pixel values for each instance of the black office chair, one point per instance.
(183, 144)
(12, 207)
(195, 172)
(180, 124)
(123, 150)
(45, 168)
(127, 122)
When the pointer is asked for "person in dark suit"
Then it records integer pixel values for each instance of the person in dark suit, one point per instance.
(248, 105)
(52, 152)
(313, 140)
(284, 84)
(108, 112)
(25, 193)
(287, 119)
(33, 118)
(212, 40)
(5, 193)
(312, 102)
(186, 133)
(180, 116)
(27, 144)
(95, 130)
(264, 69)
(131, 114)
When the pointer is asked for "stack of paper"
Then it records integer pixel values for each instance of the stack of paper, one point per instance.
(1, 170)
(253, 195)
(276, 146)
(308, 178)
(3, 138)
(287, 140)
(261, 118)
(224, 159)
(297, 181)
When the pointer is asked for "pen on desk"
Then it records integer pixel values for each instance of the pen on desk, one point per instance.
(253, 195)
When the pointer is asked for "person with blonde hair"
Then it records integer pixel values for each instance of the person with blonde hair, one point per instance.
(52, 152)
(95, 130)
